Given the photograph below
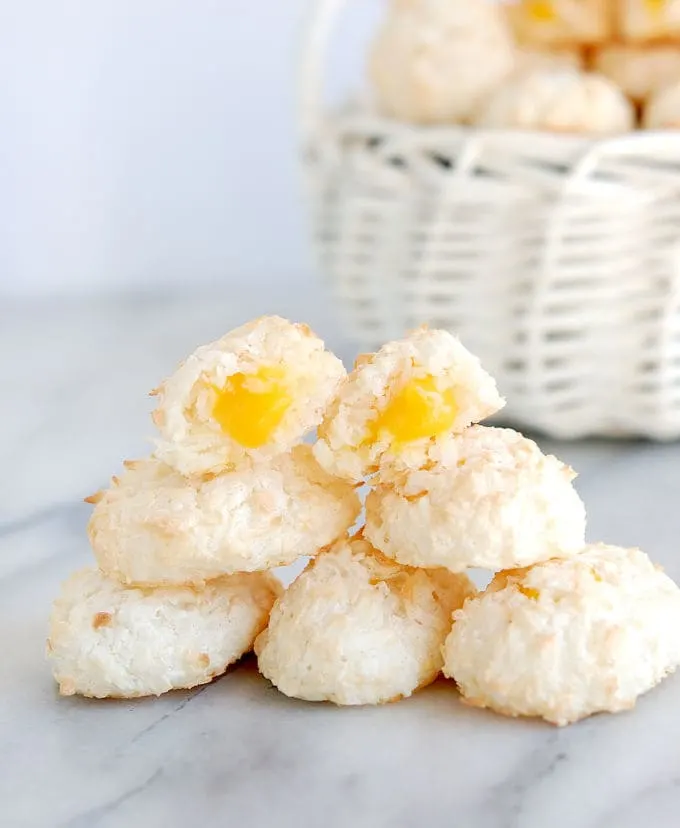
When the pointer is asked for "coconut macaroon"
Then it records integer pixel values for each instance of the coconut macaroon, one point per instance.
(529, 59)
(649, 20)
(486, 498)
(154, 526)
(560, 22)
(435, 61)
(356, 628)
(106, 640)
(559, 99)
(663, 109)
(398, 400)
(252, 394)
(639, 71)
(567, 638)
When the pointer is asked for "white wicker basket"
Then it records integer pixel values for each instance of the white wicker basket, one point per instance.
(555, 258)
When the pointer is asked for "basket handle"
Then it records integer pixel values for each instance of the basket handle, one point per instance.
(322, 17)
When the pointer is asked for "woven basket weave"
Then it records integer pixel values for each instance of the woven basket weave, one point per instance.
(555, 258)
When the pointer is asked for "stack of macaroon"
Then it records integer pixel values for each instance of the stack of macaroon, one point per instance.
(184, 540)
(598, 67)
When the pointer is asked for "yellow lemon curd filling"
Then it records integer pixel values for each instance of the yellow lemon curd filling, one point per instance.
(419, 410)
(655, 6)
(250, 407)
(529, 592)
(541, 10)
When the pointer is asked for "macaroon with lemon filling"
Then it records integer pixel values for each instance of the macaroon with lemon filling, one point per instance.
(435, 61)
(531, 58)
(560, 22)
(663, 108)
(252, 394)
(485, 498)
(642, 21)
(567, 638)
(107, 640)
(639, 71)
(559, 99)
(154, 526)
(356, 628)
(397, 401)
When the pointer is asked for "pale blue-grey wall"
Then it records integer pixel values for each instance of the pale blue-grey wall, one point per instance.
(147, 142)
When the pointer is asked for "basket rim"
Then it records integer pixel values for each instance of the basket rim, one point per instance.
(360, 120)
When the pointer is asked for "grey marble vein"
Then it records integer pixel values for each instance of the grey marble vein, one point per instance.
(107, 810)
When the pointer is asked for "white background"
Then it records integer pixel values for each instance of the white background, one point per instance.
(147, 142)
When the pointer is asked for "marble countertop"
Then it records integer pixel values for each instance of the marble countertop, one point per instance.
(74, 377)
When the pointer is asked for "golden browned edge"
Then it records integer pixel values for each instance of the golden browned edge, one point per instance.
(306, 330)
(101, 619)
(507, 576)
(196, 585)
(95, 498)
(412, 331)
(363, 359)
